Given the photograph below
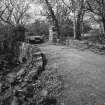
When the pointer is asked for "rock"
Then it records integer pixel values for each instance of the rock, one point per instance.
(11, 77)
(19, 70)
(44, 93)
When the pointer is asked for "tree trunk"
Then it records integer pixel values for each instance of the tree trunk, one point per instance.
(78, 28)
(103, 24)
(57, 28)
(74, 26)
(79, 21)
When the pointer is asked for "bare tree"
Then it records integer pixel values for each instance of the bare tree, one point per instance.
(13, 12)
(52, 17)
(80, 14)
(49, 11)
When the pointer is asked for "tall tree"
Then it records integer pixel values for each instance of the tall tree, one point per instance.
(77, 8)
(52, 17)
(80, 14)
(49, 11)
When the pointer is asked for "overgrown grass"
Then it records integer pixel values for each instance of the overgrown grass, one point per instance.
(46, 90)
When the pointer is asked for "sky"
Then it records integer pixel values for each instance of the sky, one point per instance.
(35, 8)
(35, 12)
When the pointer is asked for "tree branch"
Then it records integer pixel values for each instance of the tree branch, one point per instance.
(92, 10)
(66, 5)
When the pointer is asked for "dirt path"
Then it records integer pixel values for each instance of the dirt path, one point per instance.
(84, 74)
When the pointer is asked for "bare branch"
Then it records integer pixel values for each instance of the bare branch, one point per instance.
(2, 12)
(92, 10)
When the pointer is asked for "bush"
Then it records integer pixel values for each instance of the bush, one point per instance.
(86, 28)
(39, 28)
(66, 30)
(6, 33)
(94, 32)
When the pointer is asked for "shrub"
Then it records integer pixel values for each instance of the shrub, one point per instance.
(66, 30)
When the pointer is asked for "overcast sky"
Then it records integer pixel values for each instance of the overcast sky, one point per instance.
(35, 11)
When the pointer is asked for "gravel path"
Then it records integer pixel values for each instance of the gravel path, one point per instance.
(83, 71)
